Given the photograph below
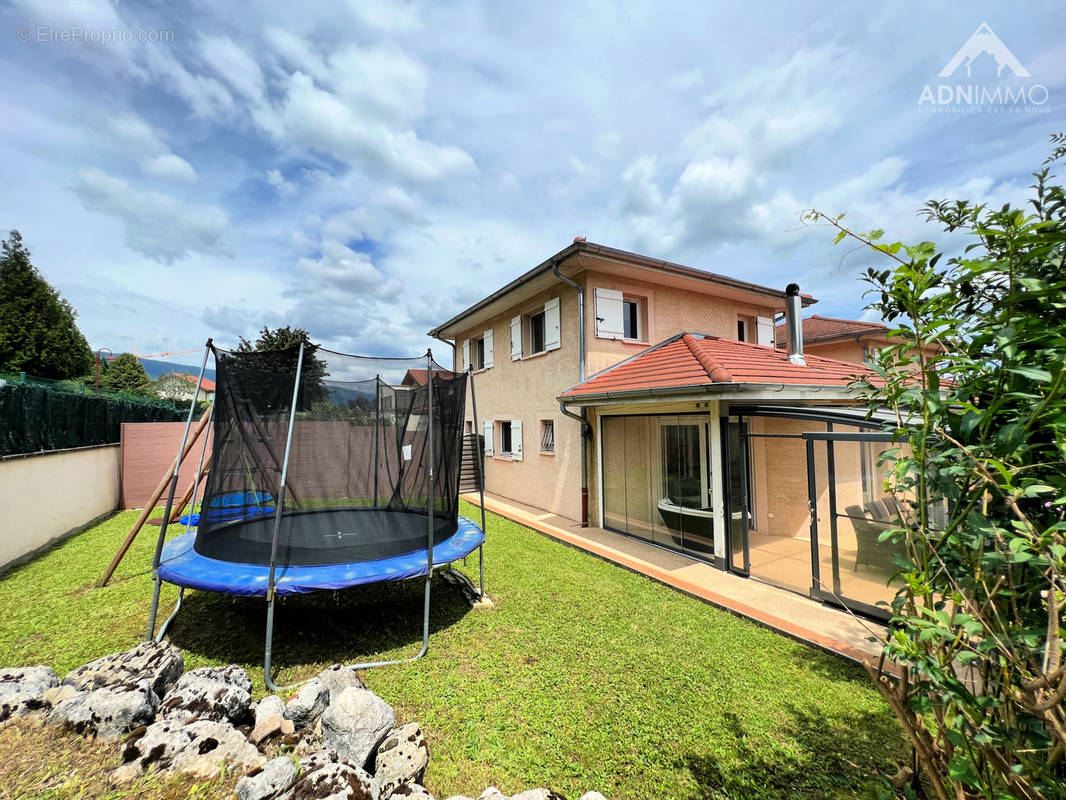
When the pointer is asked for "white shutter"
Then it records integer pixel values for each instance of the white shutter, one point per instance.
(488, 348)
(765, 329)
(466, 354)
(551, 324)
(516, 439)
(486, 428)
(516, 338)
(609, 314)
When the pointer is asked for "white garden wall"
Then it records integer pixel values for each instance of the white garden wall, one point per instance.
(46, 496)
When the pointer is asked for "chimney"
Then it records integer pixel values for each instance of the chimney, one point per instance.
(794, 324)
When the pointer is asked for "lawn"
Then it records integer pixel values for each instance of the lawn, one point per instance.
(585, 676)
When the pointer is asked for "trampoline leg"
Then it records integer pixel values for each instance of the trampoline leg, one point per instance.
(425, 638)
(163, 628)
(153, 611)
(481, 571)
(269, 646)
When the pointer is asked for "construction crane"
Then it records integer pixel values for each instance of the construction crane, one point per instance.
(163, 355)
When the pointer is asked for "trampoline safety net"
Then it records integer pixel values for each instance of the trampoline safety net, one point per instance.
(357, 486)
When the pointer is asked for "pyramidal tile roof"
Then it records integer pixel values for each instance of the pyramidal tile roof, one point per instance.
(694, 360)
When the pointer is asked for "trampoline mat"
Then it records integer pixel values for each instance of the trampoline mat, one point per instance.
(322, 536)
(183, 566)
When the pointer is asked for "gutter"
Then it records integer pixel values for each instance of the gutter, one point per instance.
(586, 429)
(698, 391)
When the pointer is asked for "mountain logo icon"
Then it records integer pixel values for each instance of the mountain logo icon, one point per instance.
(984, 41)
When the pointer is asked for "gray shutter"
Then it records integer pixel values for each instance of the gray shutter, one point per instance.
(516, 338)
(551, 324)
(609, 314)
(488, 348)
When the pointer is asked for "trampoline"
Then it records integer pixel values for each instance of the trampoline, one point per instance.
(327, 472)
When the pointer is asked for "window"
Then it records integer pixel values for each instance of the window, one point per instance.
(547, 436)
(621, 316)
(745, 329)
(536, 333)
(509, 436)
(631, 319)
(479, 353)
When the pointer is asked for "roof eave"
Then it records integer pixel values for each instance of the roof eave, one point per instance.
(700, 392)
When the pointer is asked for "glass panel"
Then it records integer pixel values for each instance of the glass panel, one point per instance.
(614, 475)
(779, 536)
(640, 506)
(864, 512)
(738, 491)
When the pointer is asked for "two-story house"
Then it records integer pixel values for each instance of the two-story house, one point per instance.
(648, 398)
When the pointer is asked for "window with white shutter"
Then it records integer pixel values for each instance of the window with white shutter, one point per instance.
(551, 324)
(516, 338)
(466, 354)
(486, 428)
(609, 323)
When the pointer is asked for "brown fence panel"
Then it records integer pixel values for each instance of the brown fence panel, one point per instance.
(148, 450)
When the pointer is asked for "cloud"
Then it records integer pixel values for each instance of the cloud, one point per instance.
(156, 225)
(321, 120)
(140, 140)
(169, 167)
(277, 180)
(234, 66)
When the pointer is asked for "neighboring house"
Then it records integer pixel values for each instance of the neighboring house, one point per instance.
(845, 339)
(182, 386)
(700, 436)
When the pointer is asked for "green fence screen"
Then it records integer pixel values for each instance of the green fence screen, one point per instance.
(37, 416)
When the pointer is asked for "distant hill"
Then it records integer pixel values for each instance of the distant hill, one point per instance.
(156, 368)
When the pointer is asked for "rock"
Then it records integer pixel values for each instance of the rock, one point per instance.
(354, 726)
(160, 663)
(334, 781)
(109, 712)
(401, 758)
(410, 791)
(537, 794)
(57, 694)
(215, 693)
(592, 796)
(265, 728)
(268, 781)
(268, 707)
(492, 793)
(22, 690)
(308, 705)
(198, 748)
(338, 678)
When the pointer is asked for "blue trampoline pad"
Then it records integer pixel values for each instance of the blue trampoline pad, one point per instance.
(181, 565)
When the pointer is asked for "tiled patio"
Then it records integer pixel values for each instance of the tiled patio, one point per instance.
(787, 612)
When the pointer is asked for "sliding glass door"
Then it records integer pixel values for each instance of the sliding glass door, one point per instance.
(657, 480)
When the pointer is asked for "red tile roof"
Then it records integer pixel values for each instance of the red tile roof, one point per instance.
(817, 328)
(696, 360)
(208, 385)
(419, 377)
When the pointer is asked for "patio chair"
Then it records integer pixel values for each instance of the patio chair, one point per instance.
(869, 551)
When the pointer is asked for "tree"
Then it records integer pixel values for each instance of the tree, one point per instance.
(38, 333)
(978, 386)
(277, 352)
(126, 374)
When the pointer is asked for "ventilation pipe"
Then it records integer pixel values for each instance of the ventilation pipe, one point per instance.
(794, 325)
(586, 429)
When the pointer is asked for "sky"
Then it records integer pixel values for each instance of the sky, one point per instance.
(365, 170)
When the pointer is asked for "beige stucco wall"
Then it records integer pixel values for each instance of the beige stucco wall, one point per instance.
(843, 350)
(46, 496)
(526, 390)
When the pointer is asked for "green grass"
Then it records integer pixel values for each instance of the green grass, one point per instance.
(585, 676)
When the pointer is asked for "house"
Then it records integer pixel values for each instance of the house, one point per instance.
(649, 399)
(845, 339)
(182, 386)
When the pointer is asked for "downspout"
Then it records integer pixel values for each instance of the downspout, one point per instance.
(586, 429)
